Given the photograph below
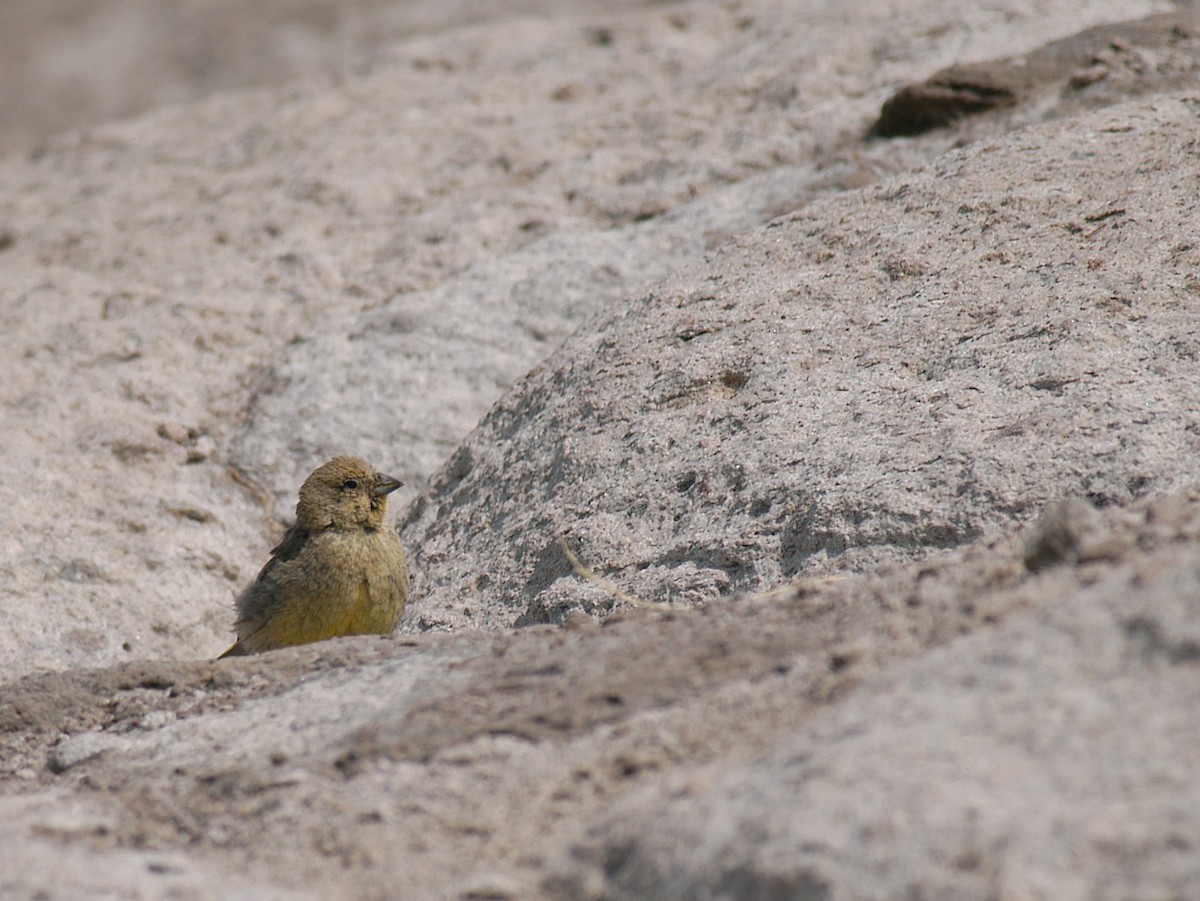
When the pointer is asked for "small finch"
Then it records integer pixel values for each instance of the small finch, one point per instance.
(340, 570)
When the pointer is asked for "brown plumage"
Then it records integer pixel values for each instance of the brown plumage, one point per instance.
(340, 570)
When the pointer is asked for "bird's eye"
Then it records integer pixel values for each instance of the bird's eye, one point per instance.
(350, 484)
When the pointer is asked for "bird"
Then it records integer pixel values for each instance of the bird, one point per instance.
(340, 570)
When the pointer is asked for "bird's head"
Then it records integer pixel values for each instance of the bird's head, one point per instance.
(344, 493)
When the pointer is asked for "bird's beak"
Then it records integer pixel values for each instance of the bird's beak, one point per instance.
(386, 485)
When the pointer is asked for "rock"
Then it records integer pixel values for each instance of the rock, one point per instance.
(803, 405)
(1081, 71)
(794, 407)
(1046, 758)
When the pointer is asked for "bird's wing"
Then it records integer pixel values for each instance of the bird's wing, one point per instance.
(258, 596)
(289, 547)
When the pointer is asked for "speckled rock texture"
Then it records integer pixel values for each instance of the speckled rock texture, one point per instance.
(852, 349)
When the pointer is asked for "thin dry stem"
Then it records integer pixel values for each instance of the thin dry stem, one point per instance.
(586, 573)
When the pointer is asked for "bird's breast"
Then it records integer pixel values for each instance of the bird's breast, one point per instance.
(355, 582)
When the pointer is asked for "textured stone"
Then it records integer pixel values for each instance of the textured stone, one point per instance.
(932, 401)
